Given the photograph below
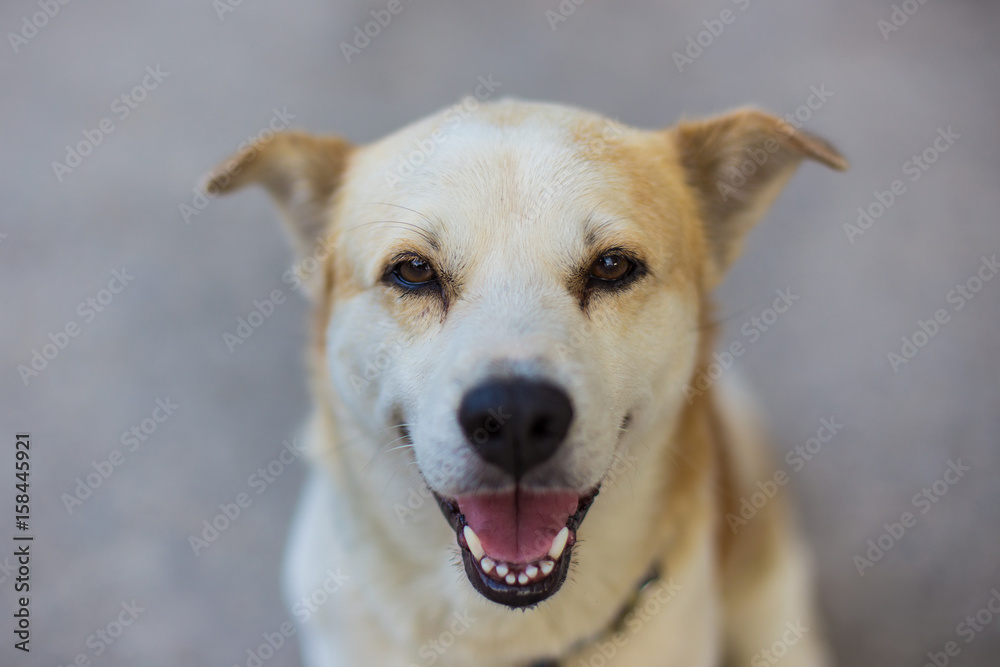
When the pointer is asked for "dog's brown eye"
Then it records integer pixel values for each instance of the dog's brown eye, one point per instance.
(611, 267)
(414, 271)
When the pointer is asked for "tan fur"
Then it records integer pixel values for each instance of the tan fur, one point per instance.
(512, 197)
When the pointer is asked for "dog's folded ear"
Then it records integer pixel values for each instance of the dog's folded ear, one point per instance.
(737, 164)
(299, 170)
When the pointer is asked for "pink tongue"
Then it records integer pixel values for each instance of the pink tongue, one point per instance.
(518, 528)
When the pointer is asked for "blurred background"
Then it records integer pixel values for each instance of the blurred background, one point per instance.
(118, 285)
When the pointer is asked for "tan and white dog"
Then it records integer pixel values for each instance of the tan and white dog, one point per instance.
(512, 304)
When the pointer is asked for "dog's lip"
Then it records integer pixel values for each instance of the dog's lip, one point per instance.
(517, 595)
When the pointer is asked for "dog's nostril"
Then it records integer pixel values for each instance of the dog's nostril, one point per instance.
(516, 424)
(542, 428)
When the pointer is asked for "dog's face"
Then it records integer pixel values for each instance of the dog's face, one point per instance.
(517, 288)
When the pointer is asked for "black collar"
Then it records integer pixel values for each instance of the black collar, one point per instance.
(652, 576)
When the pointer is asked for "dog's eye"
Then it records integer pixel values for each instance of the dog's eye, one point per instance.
(611, 267)
(414, 272)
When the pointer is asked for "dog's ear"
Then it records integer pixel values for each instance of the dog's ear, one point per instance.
(299, 170)
(736, 164)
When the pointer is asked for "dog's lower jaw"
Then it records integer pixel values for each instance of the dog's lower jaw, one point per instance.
(531, 583)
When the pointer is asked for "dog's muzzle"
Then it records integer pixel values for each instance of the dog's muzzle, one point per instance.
(516, 542)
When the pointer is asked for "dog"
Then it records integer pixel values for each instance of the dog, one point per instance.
(515, 456)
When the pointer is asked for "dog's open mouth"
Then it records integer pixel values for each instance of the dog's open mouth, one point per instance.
(517, 545)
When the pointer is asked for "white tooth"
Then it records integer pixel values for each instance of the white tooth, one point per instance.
(511, 578)
(531, 571)
(522, 578)
(486, 564)
(547, 567)
(475, 546)
(559, 544)
(502, 569)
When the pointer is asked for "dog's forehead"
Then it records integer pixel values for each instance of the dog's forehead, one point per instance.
(494, 178)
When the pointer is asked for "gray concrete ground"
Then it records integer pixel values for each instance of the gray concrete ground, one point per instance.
(160, 338)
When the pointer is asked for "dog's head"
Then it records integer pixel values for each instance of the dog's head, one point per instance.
(516, 288)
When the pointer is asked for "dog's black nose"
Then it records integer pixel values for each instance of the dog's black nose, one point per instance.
(515, 424)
